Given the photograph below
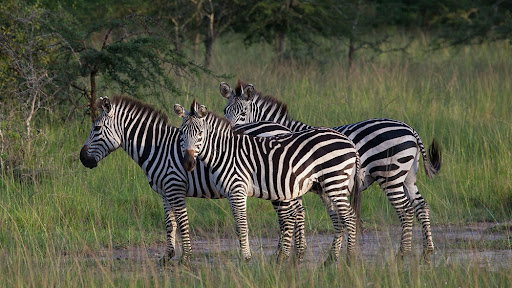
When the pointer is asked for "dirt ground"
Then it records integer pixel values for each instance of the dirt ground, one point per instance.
(483, 244)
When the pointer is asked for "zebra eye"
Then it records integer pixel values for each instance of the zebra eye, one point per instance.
(200, 134)
(243, 114)
(97, 128)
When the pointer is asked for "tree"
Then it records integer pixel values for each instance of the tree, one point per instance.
(25, 48)
(276, 21)
(133, 53)
(218, 16)
(474, 21)
(49, 59)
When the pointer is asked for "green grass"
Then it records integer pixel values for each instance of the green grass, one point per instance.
(49, 228)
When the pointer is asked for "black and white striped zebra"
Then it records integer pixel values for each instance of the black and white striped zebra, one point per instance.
(279, 168)
(144, 133)
(389, 152)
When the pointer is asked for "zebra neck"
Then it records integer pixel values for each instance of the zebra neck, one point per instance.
(295, 125)
(144, 136)
(220, 145)
(277, 113)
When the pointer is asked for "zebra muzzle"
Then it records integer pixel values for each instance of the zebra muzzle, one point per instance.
(189, 161)
(86, 160)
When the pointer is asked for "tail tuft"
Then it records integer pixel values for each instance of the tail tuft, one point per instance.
(433, 162)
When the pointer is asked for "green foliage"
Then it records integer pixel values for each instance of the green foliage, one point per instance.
(61, 224)
(475, 21)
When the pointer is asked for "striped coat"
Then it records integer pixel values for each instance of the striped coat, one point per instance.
(279, 168)
(389, 151)
(146, 136)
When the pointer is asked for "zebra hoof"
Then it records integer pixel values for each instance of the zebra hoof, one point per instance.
(298, 258)
(247, 258)
(185, 261)
(427, 255)
(400, 256)
(164, 261)
(331, 259)
(171, 253)
(281, 258)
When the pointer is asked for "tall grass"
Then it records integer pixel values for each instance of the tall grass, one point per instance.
(55, 231)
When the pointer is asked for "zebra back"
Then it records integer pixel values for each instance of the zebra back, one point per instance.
(246, 105)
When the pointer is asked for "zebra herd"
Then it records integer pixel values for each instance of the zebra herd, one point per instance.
(257, 150)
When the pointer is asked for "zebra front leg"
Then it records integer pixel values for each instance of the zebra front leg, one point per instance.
(300, 236)
(238, 204)
(286, 212)
(170, 225)
(180, 211)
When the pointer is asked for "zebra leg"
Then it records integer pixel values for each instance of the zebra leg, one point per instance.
(286, 212)
(238, 203)
(348, 218)
(180, 212)
(423, 216)
(170, 226)
(332, 210)
(395, 192)
(422, 212)
(300, 236)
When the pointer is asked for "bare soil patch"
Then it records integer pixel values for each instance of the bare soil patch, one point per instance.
(483, 244)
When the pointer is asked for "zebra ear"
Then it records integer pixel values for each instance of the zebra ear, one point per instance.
(225, 90)
(105, 105)
(179, 110)
(248, 92)
(202, 111)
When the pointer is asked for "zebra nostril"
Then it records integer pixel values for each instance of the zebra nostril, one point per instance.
(86, 160)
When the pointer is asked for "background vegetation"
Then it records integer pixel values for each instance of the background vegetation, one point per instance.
(384, 59)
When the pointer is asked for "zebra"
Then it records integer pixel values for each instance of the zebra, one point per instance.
(279, 168)
(389, 151)
(144, 133)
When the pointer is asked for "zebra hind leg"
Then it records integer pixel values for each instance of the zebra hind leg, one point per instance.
(286, 212)
(398, 198)
(343, 218)
(422, 212)
(299, 235)
(406, 216)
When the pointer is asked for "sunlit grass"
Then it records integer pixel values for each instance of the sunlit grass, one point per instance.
(57, 230)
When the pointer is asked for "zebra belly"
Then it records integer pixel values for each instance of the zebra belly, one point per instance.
(261, 190)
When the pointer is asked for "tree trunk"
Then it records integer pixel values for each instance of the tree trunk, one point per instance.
(177, 40)
(351, 52)
(209, 41)
(280, 46)
(208, 44)
(92, 99)
(28, 121)
(197, 40)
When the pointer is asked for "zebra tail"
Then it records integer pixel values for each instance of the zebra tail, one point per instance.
(432, 162)
(356, 195)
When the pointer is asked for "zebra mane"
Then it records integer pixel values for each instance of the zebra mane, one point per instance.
(138, 105)
(223, 124)
(263, 100)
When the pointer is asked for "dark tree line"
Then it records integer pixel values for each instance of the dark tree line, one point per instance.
(54, 53)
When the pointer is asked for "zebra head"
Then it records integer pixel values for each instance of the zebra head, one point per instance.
(103, 138)
(192, 130)
(238, 109)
